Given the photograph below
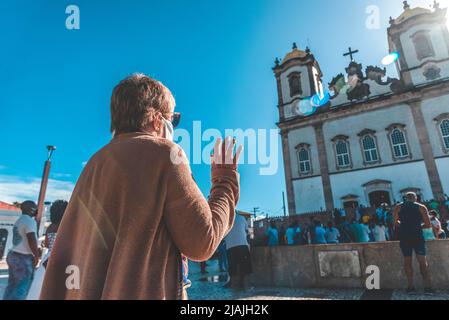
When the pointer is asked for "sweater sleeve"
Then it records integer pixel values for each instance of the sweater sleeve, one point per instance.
(197, 226)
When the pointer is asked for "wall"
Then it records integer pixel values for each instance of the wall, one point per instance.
(309, 195)
(431, 109)
(377, 120)
(300, 266)
(443, 170)
(402, 176)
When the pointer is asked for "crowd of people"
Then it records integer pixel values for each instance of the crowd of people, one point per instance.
(362, 228)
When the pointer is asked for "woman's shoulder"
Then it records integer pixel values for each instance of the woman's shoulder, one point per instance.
(141, 144)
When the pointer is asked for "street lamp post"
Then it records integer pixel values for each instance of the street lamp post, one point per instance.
(44, 183)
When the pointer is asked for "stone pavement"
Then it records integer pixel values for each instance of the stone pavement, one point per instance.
(210, 287)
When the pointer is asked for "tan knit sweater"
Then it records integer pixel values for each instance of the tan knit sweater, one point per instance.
(132, 213)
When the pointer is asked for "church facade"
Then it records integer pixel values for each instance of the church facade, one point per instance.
(375, 139)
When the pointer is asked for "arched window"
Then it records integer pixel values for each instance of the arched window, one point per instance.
(342, 152)
(304, 159)
(444, 127)
(399, 144)
(370, 149)
(294, 81)
(423, 45)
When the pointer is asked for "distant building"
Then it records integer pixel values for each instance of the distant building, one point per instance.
(376, 138)
(8, 216)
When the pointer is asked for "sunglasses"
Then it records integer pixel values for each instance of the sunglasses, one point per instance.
(175, 119)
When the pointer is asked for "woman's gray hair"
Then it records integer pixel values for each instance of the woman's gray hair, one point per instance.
(135, 100)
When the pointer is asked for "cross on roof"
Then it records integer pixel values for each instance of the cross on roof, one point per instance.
(351, 53)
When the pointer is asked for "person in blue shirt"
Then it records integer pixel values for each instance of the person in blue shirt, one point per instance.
(320, 233)
(332, 233)
(292, 234)
(345, 231)
(272, 235)
(354, 230)
(363, 232)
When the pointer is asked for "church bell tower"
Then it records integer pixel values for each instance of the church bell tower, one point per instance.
(421, 38)
(298, 78)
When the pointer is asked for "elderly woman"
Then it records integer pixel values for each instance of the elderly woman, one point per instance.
(136, 208)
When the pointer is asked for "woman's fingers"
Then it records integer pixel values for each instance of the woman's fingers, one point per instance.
(216, 157)
(230, 152)
(224, 149)
(223, 153)
(237, 155)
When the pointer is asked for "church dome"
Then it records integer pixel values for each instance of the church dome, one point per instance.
(295, 53)
(409, 13)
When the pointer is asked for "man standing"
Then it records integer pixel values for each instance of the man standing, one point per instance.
(362, 232)
(293, 233)
(24, 254)
(272, 235)
(332, 233)
(408, 219)
(320, 233)
(345, 231)
(381, 212)
(239, 259)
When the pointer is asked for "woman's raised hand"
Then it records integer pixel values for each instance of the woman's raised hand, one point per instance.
(223, 155)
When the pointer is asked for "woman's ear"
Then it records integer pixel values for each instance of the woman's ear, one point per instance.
(157, 122)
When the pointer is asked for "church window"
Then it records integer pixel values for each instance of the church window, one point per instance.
(342, 152)
(444, 127)
(304, 161)
(369, 149)
(423, 45)
(399, 144)
(305, 165)
(294, 80)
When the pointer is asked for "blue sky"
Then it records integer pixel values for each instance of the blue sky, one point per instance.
(216, 57)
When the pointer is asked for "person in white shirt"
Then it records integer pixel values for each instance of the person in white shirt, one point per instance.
(239, 259)
(24, 255)
(436, 225)
(332, 234)
(380, 232)
(57, 210)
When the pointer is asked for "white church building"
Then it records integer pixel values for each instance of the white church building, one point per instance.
(376, 138)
